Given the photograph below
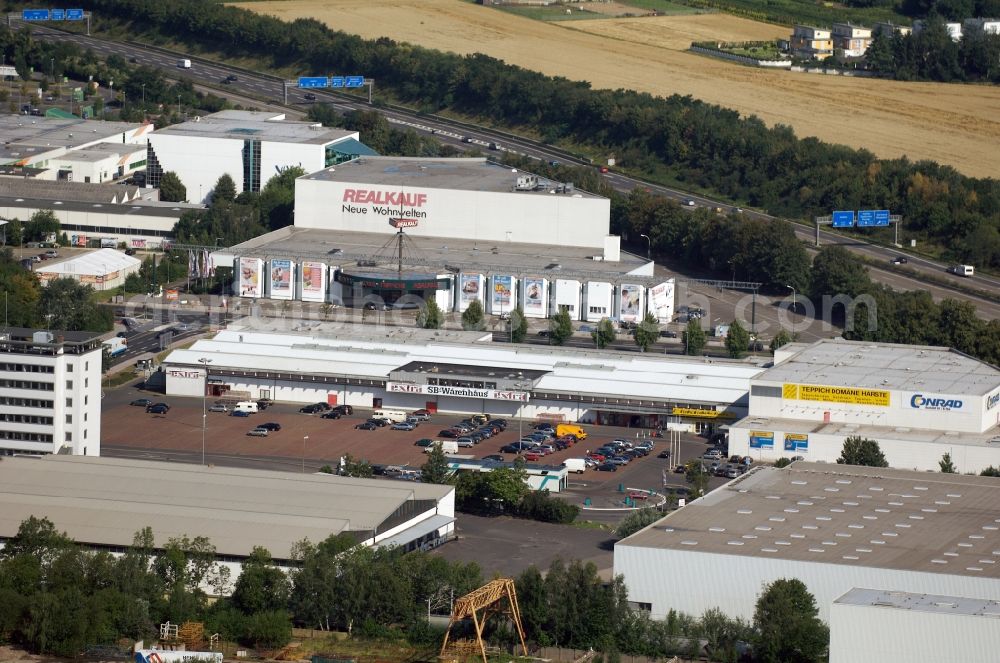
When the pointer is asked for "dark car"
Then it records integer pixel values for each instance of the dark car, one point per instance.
(240, 413)
(264, 403)
(344, 409)
(379, 422)
(666, 333)
(424, 442)
(899, 260)
(332, 414)
(160, 405)
(680, 469)
(232, 78)
(309, 409)
(367, 425)
(158, 408)
(141, 402)
(496, 457)
(310, 96)
(664, 454)
(510, 449)
(270, 426)
(449, 433)
(607, 467)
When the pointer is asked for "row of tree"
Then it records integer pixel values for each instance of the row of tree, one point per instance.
(58, 598)
(674, 138)
(933, 55)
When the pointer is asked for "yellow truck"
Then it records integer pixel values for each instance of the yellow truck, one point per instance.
(571, 429)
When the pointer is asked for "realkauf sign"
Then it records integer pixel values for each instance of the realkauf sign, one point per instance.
(397, 205)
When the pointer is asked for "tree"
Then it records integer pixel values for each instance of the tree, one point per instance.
(67, 304)
(430, 315)
(697, 477)
(224, 191)
(277, 198)
(518, 325)
(787, 624)
(636, 520)
(780, 339)
(560, 328)
(947, 467)
(474, 318)
(171, 188)
(694, 338)
(353, 467)
(837, 271)
(435, 469)
(862, 451)
(737, 340)
(262, 586)
(41, 226)
(647, 332)
(604, 334)
(269, 630)
(991, 471)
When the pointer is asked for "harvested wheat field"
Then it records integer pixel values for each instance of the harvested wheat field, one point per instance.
(957, 125)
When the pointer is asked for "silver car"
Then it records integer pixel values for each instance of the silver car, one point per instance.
(218, 407)
(259, 432)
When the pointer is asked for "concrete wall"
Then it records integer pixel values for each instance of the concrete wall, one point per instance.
(533, 218)
(693, 582)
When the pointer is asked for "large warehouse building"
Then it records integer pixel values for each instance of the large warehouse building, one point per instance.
(249, 146)
(102, 502)
(917, 402)
(405, 368)
(834, 527)
(400, 231)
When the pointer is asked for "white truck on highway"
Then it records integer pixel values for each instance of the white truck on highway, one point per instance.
(962, 270)
(116, 346)
(184, 63)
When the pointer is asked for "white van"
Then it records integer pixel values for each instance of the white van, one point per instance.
(395, 416)
(577, 465)
(963, 270)
(447, 446)
(246, 406)
(184, 63)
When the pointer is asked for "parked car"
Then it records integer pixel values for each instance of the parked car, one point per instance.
(403, 425)
(619, 460)
(239, 413)
(495, 457)
(344, 410)
(680, 469)
(259, 432)
(51, 253)
(449, 433)
(419, 415)
(544, 426)
(712, 454)
(218, 407)
(378, 422)
(271, 425)
(366, 425)
(664, 454)
(332, 414)
(424, 442)
(161, 408)
(466, 442)
(667, 333)
(264, 403)
(607, 467)
(141, 402)
(310, 409)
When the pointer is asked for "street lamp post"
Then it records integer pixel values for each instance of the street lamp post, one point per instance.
(52, 69)
(794, 307)
(144, 96)
(305, 438)
(204, 412)
(649, 246)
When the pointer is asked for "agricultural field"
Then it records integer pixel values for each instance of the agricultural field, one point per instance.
(953, 124)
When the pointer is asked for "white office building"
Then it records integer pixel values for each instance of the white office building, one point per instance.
(50, 392)
(249, 146)
(917, 402)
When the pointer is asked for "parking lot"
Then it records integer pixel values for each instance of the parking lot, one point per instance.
(312, 441)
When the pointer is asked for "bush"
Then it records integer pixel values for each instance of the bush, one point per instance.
(636, 520)
(269, 630)
(540, 505)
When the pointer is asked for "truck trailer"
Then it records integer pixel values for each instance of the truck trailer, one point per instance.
(116, 346)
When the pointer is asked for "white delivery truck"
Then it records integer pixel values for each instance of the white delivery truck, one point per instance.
(577, 465)
(184, 63)
(250, 407)
(447, 446)
(395, 416)
(116, 346)
(962, 270)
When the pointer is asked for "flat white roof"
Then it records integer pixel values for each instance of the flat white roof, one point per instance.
(862, 364)
(571, 371)
(932, 603)
(25, 137)
(97, 263)
(269, 128)
(882, 433)
(105, 501)
(462, 174)
(845, 515)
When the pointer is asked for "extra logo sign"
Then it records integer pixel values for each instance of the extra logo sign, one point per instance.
(177, 373)
(403, 223)
(921, 402)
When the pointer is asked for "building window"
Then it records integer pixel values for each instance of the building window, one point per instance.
(69, 402)
(69, 384)
(69, 437)
(599, 310)
(86, 399)
(251, 165)
(86, 382)
(27, 384)
(86, 365)
(69, 368)
(84, 416)
(85, 433)
(69, 418)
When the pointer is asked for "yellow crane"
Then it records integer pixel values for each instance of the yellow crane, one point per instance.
(495, 598)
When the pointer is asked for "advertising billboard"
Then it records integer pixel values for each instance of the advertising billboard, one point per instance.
(250, 269)
(796, 442)
(535, 296)
(470, 288)
(661, 301)
(313, 282)
(281, 279)
(825, 394)
(761, 439)
(630, 302)
(503, 297)
(459, 392)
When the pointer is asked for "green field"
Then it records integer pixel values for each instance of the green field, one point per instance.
(551, 13)
(789, 12)
(668, 7)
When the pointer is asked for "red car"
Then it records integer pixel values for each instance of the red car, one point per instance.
(532, 456)
(598, 457)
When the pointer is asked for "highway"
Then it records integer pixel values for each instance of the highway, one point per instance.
(268, 90)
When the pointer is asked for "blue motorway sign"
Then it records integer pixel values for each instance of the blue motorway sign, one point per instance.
(58, 14)
(354, 81)
(337, 81)
(34, 14)
(866, 218)
(843, 219)
(74, 14)
(881, 217)
(314, 81)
